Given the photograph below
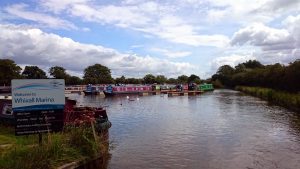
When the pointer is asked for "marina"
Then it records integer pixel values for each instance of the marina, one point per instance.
(136, 84)
(219, 129)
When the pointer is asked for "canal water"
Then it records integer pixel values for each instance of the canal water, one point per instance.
(220, 129)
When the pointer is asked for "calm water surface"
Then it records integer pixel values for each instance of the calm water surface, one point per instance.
(221, 129)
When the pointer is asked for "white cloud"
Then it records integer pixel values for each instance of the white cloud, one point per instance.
(292, 23)
(231, 60)
(58, 6)
(19, 10)
(86, 29)
(244, 12)
(261, 35)
(281, 6)
(171, 54)
(276, 45)
(136, 46)
(152, 18)
(110, 14)
(175, 30)
(35, 47)
(260, 26)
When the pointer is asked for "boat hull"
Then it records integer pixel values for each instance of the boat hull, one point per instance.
(91, 93)
(122, 93)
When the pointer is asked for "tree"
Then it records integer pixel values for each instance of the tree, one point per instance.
(252, 64)
(240, 68)
(194, 79)
(97, 74)
(58, 72)
(8, 70)
(121, 80)
(225, 70)
(292, 76)
(182, 79)
(149, 79)
(160, 79)
(133, 81)
(172, 81)
(224, 74)
(34, 72)
(73, 80)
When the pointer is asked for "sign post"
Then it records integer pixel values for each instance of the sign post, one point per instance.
(38, 105)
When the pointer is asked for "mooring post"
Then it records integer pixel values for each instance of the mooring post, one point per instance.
(40, 139)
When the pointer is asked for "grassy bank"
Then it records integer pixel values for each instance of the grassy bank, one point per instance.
(285, 99)
(73, 144)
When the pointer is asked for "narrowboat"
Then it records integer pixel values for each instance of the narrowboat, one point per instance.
(206, 87)
(116, 90)
(192, 86)
(92, 90)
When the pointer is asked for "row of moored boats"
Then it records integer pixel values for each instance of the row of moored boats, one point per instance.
(111, 90)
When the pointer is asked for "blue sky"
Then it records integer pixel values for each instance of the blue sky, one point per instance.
(137, 37)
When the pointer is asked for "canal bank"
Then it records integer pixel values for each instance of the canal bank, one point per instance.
(281, 98)
(74, 145)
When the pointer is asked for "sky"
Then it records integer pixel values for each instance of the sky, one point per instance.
(138, 37)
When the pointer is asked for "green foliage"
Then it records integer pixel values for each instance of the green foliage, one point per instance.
(160, 79)
(58, 72)
(172, 81)
(182, 79)
(27, 154)
(288, 100)
(97, 74)
(133, 81)
(73, 80)
(121, 80)
(82, 138)
(33, 72)
(225, 70)
(252, 73)
(194, 79)
(252, 64)
(8, 70)
(72, 145)
(149, 79)
(217, 84)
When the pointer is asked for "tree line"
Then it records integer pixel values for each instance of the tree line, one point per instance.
(253, 73)
(94, 74)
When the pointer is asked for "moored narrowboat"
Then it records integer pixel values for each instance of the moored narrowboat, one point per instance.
(116, 90)
(206, 87)
(92, 90)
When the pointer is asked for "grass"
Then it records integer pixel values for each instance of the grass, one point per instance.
(73, 144)
(281, 98)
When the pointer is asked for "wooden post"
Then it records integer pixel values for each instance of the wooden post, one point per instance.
(94, 132)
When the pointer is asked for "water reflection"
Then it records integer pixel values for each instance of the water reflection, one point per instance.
(220, 129)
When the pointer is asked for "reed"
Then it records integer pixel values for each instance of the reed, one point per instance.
(73, 144)
(281, 98)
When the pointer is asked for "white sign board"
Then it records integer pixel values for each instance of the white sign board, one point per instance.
(38, 94)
